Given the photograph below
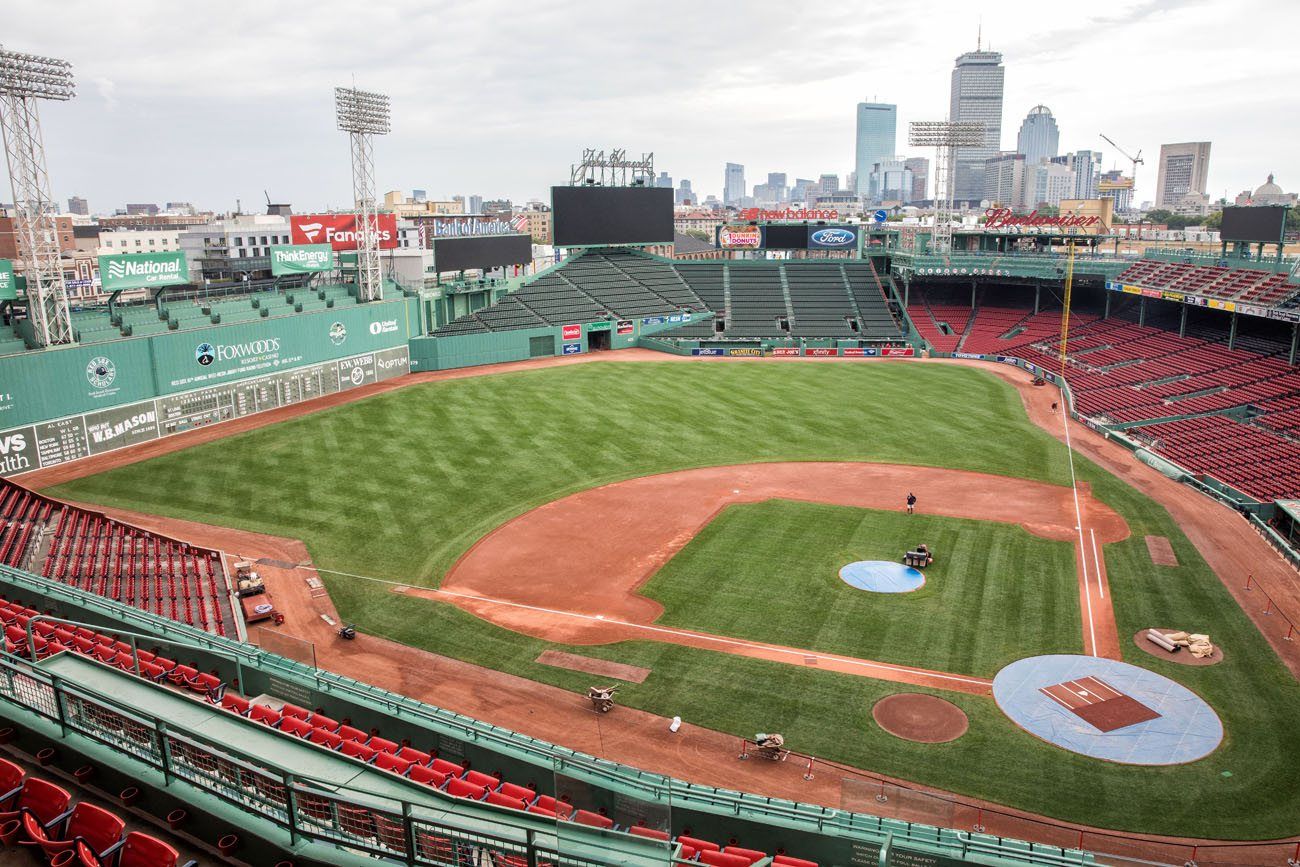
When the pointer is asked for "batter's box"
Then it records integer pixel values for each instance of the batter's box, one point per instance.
(1099, 704)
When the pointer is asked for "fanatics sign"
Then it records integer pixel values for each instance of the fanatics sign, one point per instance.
(340, 231)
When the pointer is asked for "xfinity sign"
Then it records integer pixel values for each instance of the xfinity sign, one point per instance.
(301, 259)
(142, 270)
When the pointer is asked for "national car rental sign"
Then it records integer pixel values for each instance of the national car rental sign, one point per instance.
(340, 230)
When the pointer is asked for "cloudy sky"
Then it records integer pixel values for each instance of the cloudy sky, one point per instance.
(193, 102)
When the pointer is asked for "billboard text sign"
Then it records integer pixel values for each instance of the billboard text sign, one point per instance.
(8, 285)
(142, 270)
(341, 231)
(832, 238)
(740, 237)
(571, 332)
(301, 259)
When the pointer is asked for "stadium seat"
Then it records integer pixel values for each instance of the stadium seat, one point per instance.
(42, 798)
(479, 778)
(294, 726)
(514, 790)
(651, 833)
(558, 808)
(500, 800)
(292, 710)
(427, 776)
(235, 703)
(325, 738)
(383, 746)
(348, 733)
(752, 854)
(461, 789)
(356, 750)
(586, 817)
(11, 782)
(699, 845)
(97, 827)
(542, 811)
(722, 859)
(389, 762)
(263, 714)
(451, 769)
(411, 754)
(324, 722)
(787, 861)
(142, 850)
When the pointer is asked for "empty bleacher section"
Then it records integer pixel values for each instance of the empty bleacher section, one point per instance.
(819, 299)
(594, 286)
(1250, 285)
(757, 303)
(870, 297)
(92, 552)
(707, 280)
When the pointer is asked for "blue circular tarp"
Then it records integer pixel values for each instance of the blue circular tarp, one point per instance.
(1057, 698)
(881, 576)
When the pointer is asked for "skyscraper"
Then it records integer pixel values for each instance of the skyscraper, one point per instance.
(1087, 173)
(920, 169)
(664, 181)
(683, 195)
(733, 184)
(977, 98)
(1004, 180)
(1039, 138)
(1183, 169)
(877, 140)
(78, 205)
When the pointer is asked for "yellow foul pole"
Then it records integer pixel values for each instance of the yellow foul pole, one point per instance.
(1065, 314)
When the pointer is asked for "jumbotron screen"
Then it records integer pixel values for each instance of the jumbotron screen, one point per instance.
(481, 251)
(1262, 224)
(587, 216)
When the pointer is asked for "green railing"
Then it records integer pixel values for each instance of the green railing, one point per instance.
(1185, 257)
(1037, 265)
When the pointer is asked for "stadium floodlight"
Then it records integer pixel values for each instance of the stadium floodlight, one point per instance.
(945, 137)
(364, 114)
(24, 79)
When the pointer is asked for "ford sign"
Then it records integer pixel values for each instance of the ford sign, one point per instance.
(832, 238)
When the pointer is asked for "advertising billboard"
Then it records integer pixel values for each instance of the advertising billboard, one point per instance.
(341, 231)
(142, 270)
(740, 237)
(1262, 224)
(832, 237)
(301, 259)
(779, 237)
(589, 216)
(8, 285)
(484, 251)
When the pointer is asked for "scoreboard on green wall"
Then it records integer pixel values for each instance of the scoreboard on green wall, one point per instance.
(66, 404)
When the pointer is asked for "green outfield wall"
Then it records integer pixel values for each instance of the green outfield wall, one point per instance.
(69, 403)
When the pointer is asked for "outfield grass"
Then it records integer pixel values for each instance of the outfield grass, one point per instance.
(398, 485)
(995, 593)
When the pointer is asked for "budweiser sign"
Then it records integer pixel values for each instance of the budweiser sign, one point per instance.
(340, 230)
(789, 214)
(1005, 218)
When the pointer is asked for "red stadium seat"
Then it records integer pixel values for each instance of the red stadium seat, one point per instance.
(542, 811)
(752, 854)
(383, 746)
(263, 714)
(46, 800)
(559, 808)
(348, 733)
(356, 750)
(513, 790)
(141, 850)
(99, 828)
(479, 778)
(652, 833)
(427, 776)
(586, 817)
(295, 727)
(325, 738)
(462, 789)
(787, 861)
(390, 762)
(236, 703)
(324, 722)
(294, 711)
(722, 859)
(500, 800)
(414, 756)
(451, 769)
(698, 845)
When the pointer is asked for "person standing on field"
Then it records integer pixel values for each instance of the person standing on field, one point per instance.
(911, 503)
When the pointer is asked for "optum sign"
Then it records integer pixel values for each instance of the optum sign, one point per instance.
(141, 270)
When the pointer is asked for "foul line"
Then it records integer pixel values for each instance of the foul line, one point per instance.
(1096, 560)
(680, 633)
(1078, 516)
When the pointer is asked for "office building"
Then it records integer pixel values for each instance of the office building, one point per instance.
(1184, 168)
(475, 204)
(79, 206)
(683, 194)
(802, 189)
(664, 181)
(733, 184)
(147, 208)
(1114, 185)
(827, 184)
(890, 181)
(877, 140)
(1004, 181)
(976, 97)
(920, 169)
(1048, 183)
(1039, 138)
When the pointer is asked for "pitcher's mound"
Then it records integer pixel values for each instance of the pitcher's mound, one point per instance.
(926, 719)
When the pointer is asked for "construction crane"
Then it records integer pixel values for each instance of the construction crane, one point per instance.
(1135, 160)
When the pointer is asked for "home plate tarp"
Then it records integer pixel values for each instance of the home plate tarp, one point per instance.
(1107, 709)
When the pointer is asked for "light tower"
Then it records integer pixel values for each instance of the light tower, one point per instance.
(24, 79)
(364, 114)
(945, 137)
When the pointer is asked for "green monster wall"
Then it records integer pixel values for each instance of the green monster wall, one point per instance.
(69, 403)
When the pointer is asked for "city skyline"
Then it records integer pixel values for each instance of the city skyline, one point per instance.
(517, 133)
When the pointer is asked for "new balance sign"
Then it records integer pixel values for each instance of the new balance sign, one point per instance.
(141, 270)
(301, 259)
(341, 231)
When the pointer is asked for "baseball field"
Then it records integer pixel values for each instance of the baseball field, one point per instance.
(442, 486)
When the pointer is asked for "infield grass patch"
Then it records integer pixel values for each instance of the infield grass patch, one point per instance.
(770, 572)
